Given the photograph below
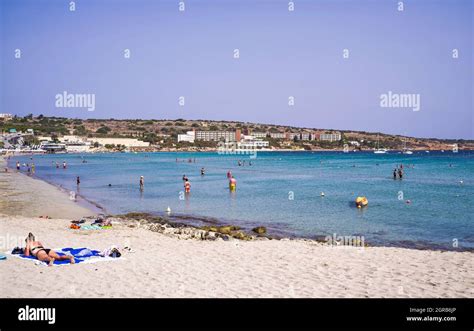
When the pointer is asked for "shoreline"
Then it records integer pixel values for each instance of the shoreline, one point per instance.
(4, 153)
(169, 261)
(197, 222)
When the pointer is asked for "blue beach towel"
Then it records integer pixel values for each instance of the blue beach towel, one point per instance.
(81, 255)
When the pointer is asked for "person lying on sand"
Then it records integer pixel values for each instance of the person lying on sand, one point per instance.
(36, 249)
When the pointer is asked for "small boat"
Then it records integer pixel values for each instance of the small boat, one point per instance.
(380, 150)
(405, 149)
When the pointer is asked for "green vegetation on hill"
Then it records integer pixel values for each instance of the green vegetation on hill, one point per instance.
(164, 132)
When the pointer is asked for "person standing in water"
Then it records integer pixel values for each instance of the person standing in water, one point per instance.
(17, 166)
(64, 165)
(33, 167)
(395, 173)
(400, 173)
(229, 174)
(78, 181)
(185, 178)
(202, 171)
(187, 186)
(232, 184)
(142, 183)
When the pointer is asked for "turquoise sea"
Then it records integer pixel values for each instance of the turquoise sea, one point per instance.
(282, 191)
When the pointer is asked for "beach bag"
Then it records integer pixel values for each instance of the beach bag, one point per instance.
(114, 252)
(18, 250)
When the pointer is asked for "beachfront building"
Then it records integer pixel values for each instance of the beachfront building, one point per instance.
(258, 134)
(307, 136)
(75, 144)
(330, 137)
(190, 136)
(127, 142)
(293, 136)
(6, 117)
(253, 144)
(218, 135)
(51, 147)
(278, 135)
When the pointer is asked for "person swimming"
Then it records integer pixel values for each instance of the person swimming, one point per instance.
(185, 178)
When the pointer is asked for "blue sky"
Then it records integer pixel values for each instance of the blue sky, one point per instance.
(282, 54)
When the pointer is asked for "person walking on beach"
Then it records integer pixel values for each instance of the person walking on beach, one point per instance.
(78, 180)
(142, 183)
(187, 186)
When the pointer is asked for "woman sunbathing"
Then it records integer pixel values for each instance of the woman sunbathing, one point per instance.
(36, 249)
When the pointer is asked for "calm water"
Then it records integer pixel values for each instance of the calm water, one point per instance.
(441, 207)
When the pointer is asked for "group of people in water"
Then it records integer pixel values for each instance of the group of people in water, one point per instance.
(241, 163)
(30, 167)
(398, 171)
(187, 183)
(188, 160)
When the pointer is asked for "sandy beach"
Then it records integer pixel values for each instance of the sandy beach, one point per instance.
(165, 265)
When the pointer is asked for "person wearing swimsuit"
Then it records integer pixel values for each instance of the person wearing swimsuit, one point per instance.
(36, 249)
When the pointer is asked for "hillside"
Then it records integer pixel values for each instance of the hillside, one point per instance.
(163, 133)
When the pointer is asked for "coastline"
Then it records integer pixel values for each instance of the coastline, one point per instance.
(27, 196)
(175, 261)
(190, 221)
